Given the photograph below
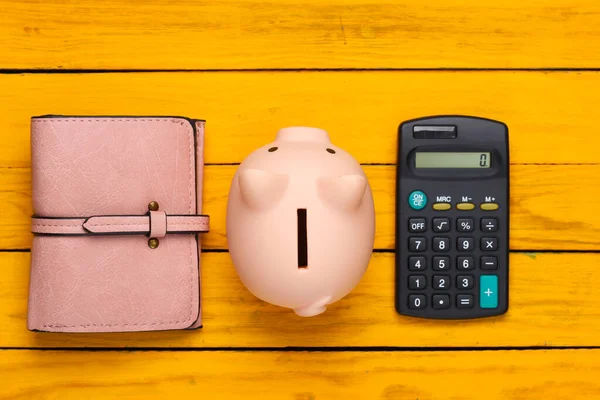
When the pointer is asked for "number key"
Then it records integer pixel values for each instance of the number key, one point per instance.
(465, 244)
(416, 263)
(465, 263)
(416, 282)
(441, 282)
(441, 244)
(464, 281)
(416, 301)
(417, 244)
(441, 263)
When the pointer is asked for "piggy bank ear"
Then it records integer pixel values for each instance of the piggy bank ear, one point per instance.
(261, 189)
(344, 192)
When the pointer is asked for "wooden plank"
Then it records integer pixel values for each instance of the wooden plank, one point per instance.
(502, 375)
(548, 113)
(545, 215)
(552, 303)
(250, 34)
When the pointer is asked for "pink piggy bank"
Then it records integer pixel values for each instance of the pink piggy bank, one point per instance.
(300, 221)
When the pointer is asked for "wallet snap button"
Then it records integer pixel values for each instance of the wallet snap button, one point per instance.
(153, 206)
(153, 243)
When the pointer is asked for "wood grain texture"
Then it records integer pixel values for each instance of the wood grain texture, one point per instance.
(553, 302)
(543, 215)
(554, 190)
(251, 34)
(502, 375)
(548, 114)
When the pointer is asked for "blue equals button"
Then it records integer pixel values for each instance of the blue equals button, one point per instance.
(488, 291)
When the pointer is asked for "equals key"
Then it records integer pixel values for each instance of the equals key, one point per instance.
(464, 301)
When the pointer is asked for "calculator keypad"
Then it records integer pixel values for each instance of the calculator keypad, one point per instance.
(450, 252)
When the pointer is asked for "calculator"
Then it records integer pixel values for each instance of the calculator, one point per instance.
(452, 218)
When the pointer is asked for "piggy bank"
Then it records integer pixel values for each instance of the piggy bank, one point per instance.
(300, 221)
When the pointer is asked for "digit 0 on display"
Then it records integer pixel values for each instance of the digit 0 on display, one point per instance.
(452, 211)
(452, 160)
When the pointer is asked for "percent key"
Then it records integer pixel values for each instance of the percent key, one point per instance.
(465, 225)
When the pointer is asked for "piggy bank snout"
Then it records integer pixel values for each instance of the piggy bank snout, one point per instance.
(302, 134)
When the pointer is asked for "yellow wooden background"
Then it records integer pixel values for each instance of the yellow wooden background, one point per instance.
(356, 68)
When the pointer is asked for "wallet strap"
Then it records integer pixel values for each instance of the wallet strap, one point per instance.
(153, 224)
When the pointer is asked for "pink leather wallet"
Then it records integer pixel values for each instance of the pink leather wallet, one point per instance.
(117, 205)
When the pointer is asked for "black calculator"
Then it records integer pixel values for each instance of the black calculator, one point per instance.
(452, 203)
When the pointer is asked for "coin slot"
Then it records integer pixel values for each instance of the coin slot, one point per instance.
(302, 239)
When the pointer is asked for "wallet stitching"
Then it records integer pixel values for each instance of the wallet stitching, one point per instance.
(56, 225)
(190, 133)
(172, 225)
(115, 225)
(188, 223)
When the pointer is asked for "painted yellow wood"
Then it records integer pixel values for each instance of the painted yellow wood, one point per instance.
(553, 302)
(229, 34)
(501, 375)
(548, 114)
(554, 186)
(552, 206)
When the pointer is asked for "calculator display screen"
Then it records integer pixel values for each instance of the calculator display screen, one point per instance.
(453, 160)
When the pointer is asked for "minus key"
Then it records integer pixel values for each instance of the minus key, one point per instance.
(489, 262)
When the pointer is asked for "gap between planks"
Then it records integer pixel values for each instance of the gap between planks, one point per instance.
(374, 251)
(295, 70)
(300, 349)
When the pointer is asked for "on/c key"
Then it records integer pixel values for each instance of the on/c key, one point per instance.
(488, 291)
